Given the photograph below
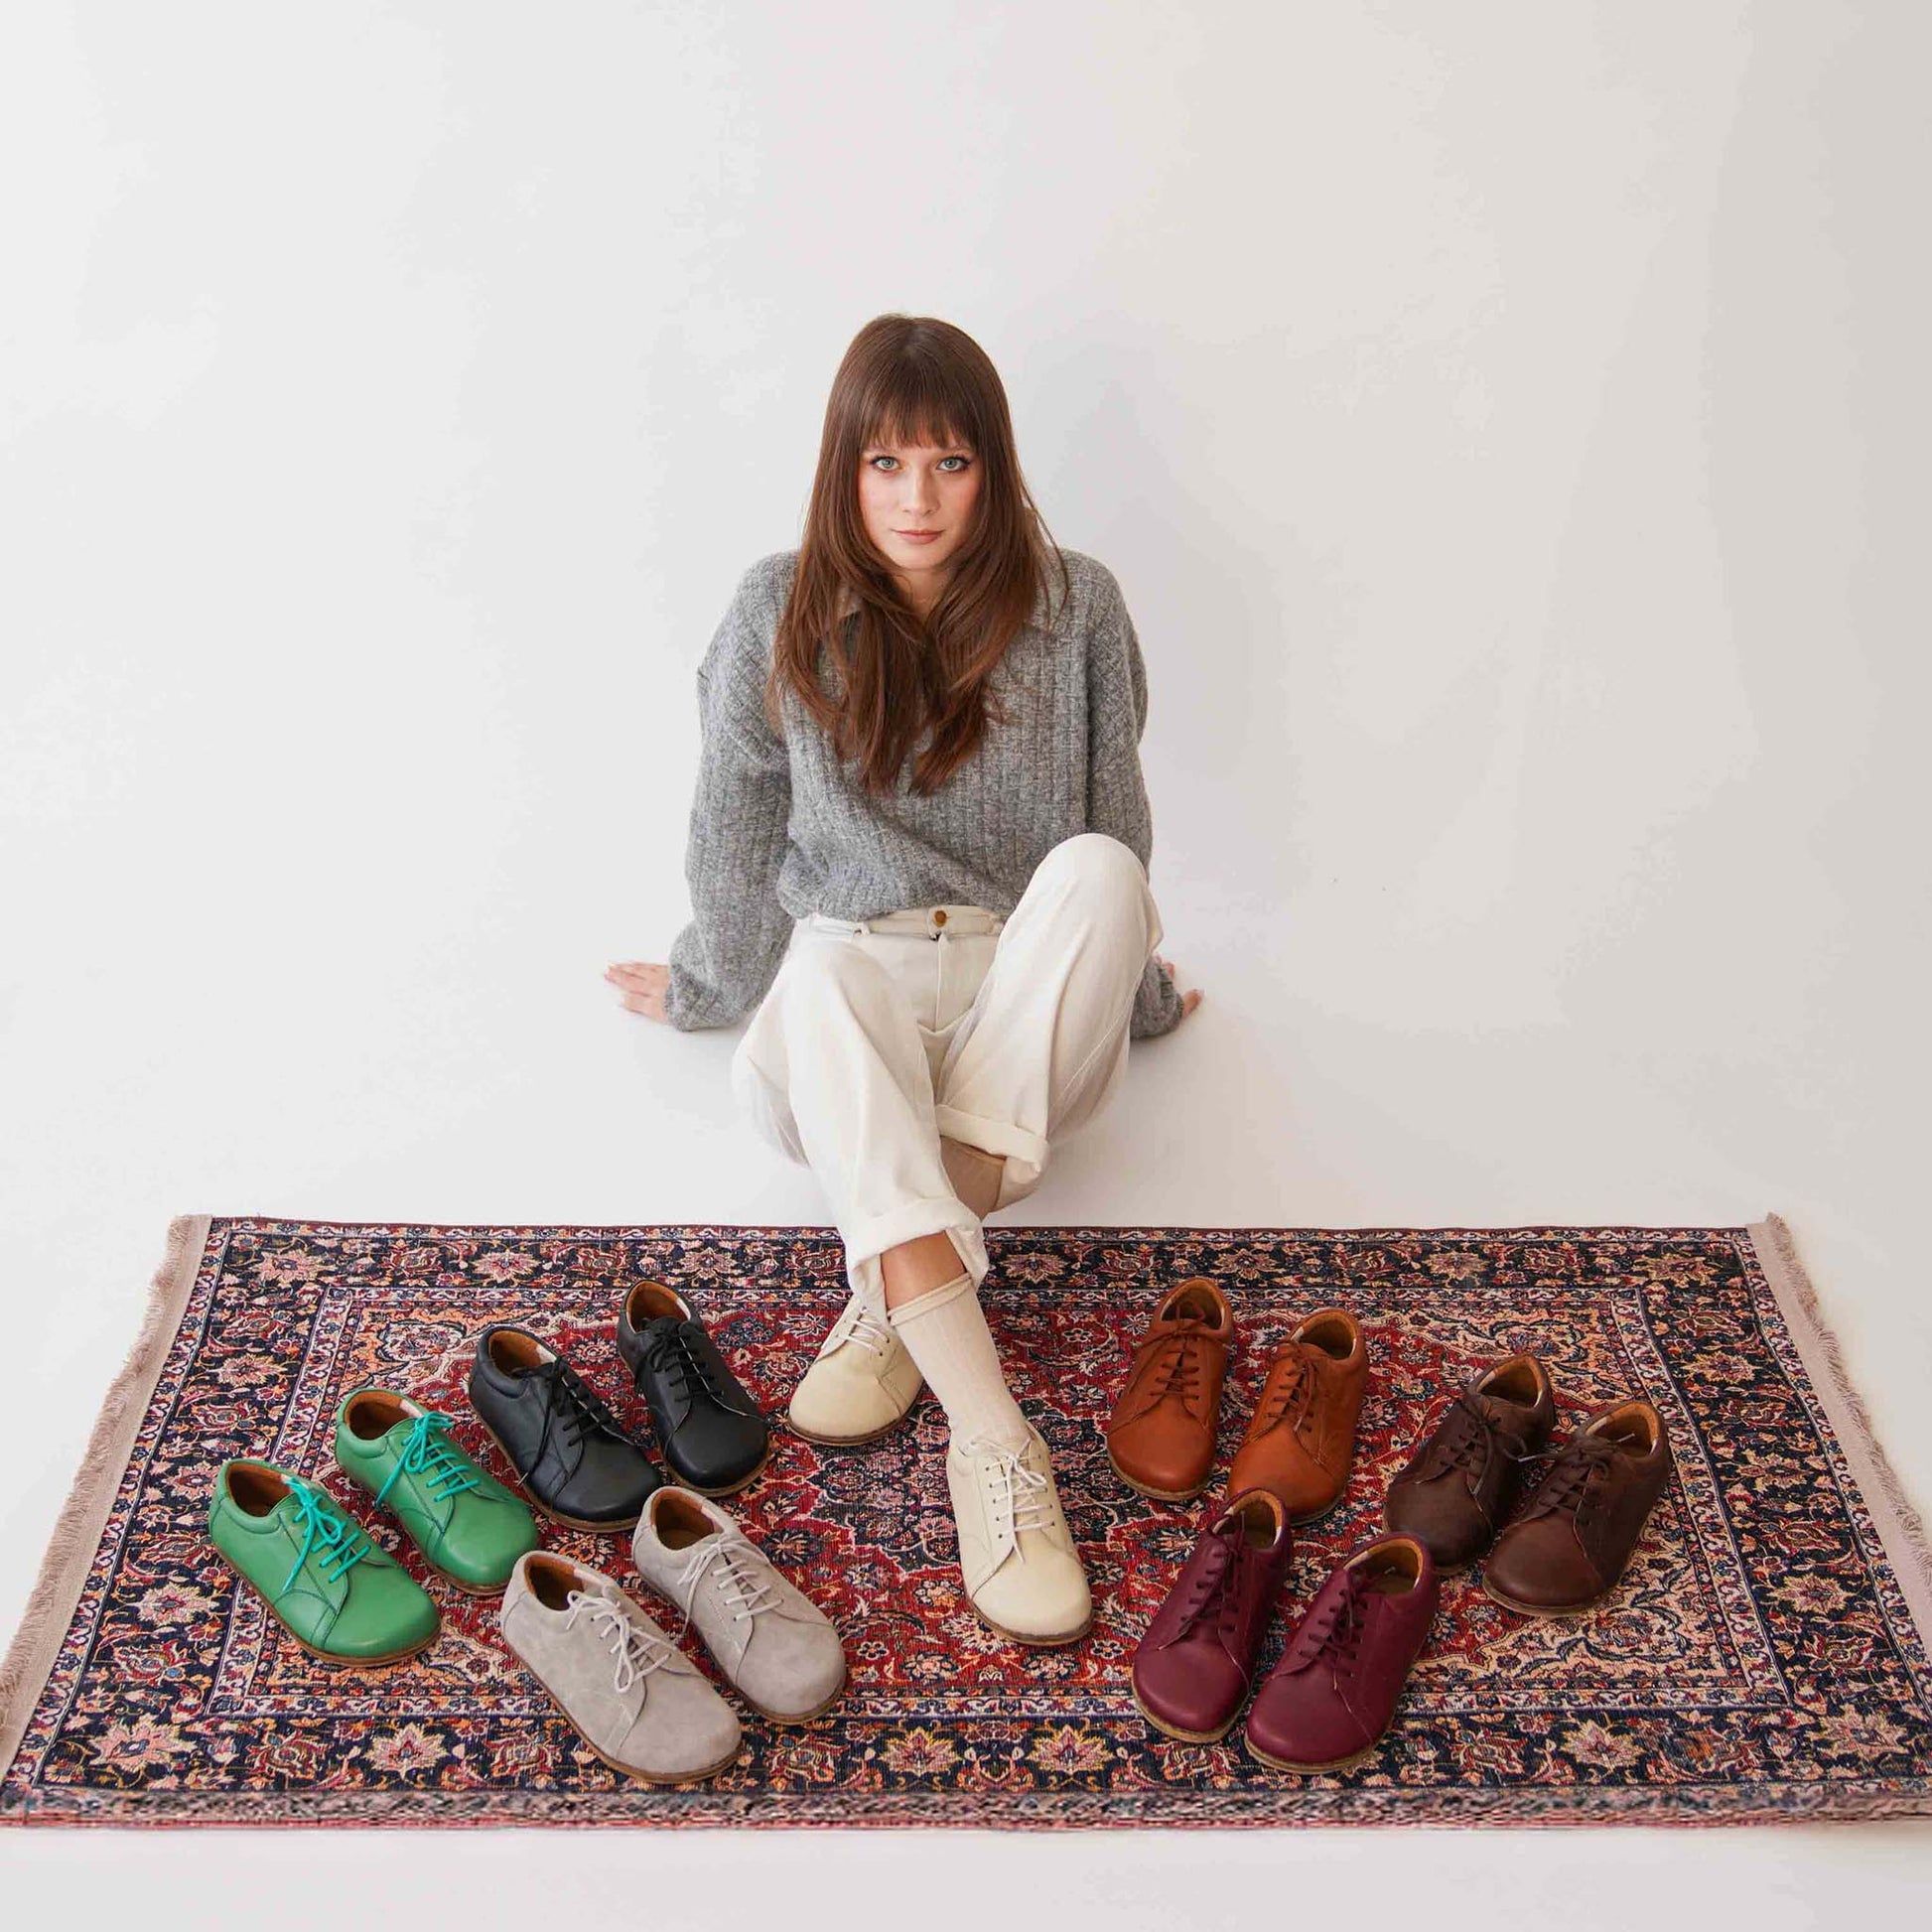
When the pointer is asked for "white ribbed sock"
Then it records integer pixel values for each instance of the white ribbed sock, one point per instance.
(945, 1334)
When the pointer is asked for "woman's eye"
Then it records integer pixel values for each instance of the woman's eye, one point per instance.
(965, 463)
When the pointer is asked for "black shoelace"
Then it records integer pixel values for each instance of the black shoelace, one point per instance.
(573, 1409)
(670, 1353)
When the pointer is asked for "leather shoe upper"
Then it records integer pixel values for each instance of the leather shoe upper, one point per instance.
(1301, 1439)
(1161, 1434)
(1463, 1477)
(708, 1425)
(1334, 1690)
(1193, 1667)
(569, 1451)
(1572, 1539)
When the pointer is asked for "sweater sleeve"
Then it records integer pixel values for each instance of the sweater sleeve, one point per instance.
(1116, 791)
(726, 958)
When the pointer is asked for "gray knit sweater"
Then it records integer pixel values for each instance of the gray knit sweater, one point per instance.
(779, 828)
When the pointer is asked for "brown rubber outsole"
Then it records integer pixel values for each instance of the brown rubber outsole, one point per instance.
(328, 1656)
(1160, 1496)
(731, 1488)
(615, 1528)
(1033, 1643)
(1174, 1731)
(793, 1717)
(457, 1582)
(1544, 1610)
(845, 1441)
(1288, 1764)
(632, 1770)
(1315, 1515)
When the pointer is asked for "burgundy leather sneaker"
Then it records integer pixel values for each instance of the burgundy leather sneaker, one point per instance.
(1567, 1548)
(1193, 1668)
(1328, 1700)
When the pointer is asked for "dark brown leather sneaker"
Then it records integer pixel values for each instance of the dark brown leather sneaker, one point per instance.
(1567, 1549)
(1457, 1489)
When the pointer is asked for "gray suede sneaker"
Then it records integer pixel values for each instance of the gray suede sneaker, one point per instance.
(640, 1704)
(779, 1648)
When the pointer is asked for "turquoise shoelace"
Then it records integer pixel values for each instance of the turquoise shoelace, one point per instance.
(427, 1451)
(343, 1544)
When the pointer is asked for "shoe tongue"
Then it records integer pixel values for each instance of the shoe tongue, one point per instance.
(289, 1511)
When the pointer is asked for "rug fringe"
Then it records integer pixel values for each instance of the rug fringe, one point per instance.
(76, 1531)
(1885, 1491)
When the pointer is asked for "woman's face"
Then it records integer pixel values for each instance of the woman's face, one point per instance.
(909, 487)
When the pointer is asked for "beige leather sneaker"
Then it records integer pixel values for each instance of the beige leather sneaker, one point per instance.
(1023, 1574)
(862, 1386)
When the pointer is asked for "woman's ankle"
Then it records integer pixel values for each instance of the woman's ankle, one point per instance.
(917, 1266)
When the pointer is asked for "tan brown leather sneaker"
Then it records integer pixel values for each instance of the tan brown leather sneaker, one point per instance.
(1301, 1439)
(1161, 1437)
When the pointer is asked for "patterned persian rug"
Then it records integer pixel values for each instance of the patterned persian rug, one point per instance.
(1764, 1659)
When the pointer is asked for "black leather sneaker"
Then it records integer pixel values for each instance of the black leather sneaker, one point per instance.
(576, 1462)
(708, 1425)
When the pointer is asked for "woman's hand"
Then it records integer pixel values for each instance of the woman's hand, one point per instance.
(1189, 1000)
(641, 985)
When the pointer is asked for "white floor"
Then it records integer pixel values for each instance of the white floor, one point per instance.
(191, 1086)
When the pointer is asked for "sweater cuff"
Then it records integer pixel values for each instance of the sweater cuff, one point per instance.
(1157, 1003)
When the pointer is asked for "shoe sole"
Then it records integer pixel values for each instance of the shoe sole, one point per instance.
(1543, 1609)
(326, 1656)
(615, 1526)
(1315, 1515)
(1174, 1731)
(845, 1441)
(1290, 1764)
(793, 1717)
(1034, 1643)
(731, 1488)
(1158, 1495)
(1308, 1516)
(632, 1770)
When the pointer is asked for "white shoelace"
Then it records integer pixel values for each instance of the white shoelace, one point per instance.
(869, 1331)
(636, 1651)
(734, 1565)
(1025, 1494)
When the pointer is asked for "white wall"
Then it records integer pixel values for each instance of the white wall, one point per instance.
(1508, 422)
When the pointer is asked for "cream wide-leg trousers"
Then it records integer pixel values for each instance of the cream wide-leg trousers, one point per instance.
(879, 1035)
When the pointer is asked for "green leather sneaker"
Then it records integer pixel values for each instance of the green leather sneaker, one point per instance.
(469, 1527)
(338, 1596)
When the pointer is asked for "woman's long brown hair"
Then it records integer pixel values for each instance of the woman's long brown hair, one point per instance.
(910, 379)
